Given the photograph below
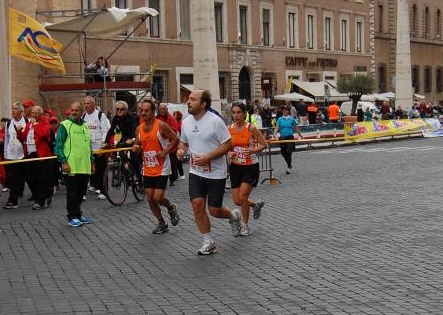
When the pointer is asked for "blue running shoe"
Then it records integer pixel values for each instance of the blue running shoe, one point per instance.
(75, 223)
(85, 220)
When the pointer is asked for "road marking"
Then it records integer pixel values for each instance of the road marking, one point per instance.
(375, 150)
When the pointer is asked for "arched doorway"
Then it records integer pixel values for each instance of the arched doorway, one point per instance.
(244, 84)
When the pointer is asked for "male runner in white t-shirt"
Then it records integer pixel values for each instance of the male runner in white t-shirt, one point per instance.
(206, 139)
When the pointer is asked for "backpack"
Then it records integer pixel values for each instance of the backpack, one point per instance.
(9, 122)
(100, 114)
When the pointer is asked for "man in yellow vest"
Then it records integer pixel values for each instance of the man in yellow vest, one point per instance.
(74, 152)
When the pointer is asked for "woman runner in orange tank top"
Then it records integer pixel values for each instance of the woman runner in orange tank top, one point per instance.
(244, 170)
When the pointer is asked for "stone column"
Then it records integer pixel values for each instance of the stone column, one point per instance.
(5, 65)
(403, 79)
(205, 49)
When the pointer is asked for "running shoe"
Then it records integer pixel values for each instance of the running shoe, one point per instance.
(36, 206)
(10, 205)
(75, 223)
(245, 230)
(85, 220)
(101, 196)
(92, 189)
(175, 218)
(161, 228)
(235, 222)
(257, 209)
(207, 249)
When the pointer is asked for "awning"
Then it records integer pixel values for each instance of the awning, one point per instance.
(321, 90)
(103, 24)
(187, 87)
(293, 97)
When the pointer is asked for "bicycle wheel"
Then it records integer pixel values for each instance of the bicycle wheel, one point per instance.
(115, 184)
(138, 190)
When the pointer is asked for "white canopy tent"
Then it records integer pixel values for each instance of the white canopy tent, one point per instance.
(293, 97)
(373, 97)
(107, 23)
(321, 90)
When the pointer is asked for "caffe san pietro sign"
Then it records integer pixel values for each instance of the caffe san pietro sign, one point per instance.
(304, 62)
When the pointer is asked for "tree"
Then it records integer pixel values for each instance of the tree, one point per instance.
(355, 87)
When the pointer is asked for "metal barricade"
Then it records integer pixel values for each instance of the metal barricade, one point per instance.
(265, 160)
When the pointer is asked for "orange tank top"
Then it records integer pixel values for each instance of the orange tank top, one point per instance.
(151, 144)
(240, 140)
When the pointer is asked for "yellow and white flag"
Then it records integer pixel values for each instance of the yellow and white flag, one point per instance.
(29, 40)
(288, 85)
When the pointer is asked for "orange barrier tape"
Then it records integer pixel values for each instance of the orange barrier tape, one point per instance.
(100, 151)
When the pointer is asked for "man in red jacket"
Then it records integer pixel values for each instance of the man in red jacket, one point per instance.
(39, 174)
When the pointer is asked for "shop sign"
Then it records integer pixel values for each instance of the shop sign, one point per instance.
(303, 62)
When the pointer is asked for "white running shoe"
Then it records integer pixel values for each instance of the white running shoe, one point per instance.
(101, 197)
(235, 222)
(92, 189)
(182, 177)
(245, 230)
(207, 249)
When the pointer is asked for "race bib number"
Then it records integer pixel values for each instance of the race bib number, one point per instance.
(239, 156)
(150, 159)
(200, 168)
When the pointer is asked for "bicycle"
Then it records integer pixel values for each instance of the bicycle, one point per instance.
(118, 177)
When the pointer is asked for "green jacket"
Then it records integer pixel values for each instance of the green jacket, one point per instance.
(73, 145)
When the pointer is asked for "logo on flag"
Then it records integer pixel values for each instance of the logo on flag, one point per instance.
(29, 40)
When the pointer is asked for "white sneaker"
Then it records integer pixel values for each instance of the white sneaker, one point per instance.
(288, 171)
(98, 192)
(257, 209)
(84, 197)
(235, 222)
(5, 189)
(92, 189)
(207, 249)
(245, 230)
(182, 177)
(101, 197)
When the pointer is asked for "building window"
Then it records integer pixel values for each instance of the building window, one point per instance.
(439, 80)
(292, 24)
(428, 79)
(218, 10)
(380, 19)
(185, 20)
(154, 21)
(344, 35)
(438, 24)
(243, 36)
(416, 79)
(427, 23)
(382, 79)
(86, 5)
(310, 32)
(358, 36)
(266, 15)
(121, 4)
(328, 33)
(414, 21)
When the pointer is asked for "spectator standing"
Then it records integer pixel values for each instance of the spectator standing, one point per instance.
(287, 126)
(98, 125)
(100, 69)
(15, 150)
(312, 113)
(360, 113)
(256, 117)
(266, 116)
(422, 109)
(368, 114)
(385, 110)
(333, 113)
(27, 107)
(179, 117)
(74, 152)
(39, 174)
(302, 110)
(167, 118)
(156, 140)
(207, 139)
(3, 177)
(244, 170)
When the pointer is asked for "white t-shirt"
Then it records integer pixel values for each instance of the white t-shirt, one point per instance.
(98, 127)
(13, 146)
(204, 136)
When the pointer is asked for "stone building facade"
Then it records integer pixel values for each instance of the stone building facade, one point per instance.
(260, 45)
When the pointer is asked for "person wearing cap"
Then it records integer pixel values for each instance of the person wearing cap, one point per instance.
(287, 126)
(28, 104)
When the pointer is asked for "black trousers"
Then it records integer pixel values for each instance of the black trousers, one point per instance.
(40, 178)
(286, 150)
(100, 166)
(76, 185)
(16, 175)
(174, 169)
